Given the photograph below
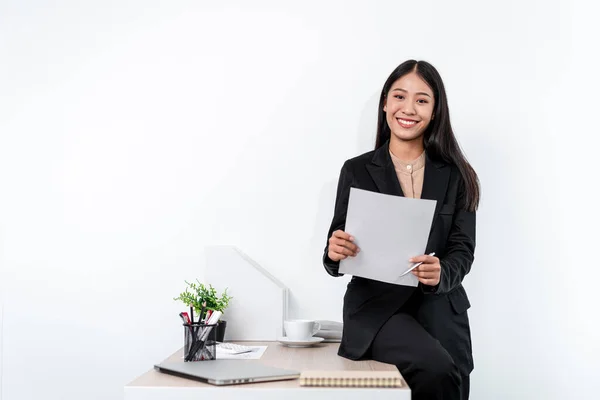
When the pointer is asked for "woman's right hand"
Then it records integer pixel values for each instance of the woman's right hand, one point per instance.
(341, 246)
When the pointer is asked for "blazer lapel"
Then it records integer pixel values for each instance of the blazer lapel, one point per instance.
(435, 183)
(383, 173)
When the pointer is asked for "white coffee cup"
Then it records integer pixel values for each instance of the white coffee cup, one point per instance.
(300, 329)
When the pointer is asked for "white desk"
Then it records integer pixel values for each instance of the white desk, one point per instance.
(154, 385)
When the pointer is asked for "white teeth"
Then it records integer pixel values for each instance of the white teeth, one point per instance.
(405, 122)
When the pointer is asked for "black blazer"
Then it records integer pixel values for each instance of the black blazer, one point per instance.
(368, 304)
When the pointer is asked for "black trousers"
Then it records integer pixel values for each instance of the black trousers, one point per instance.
(425, 365)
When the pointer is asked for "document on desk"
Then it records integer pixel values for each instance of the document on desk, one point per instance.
(389, 230)
(255, 354)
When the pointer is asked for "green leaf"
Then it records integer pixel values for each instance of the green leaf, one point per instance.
(197, 293)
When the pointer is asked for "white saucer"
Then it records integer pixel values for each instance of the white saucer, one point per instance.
(300, 343)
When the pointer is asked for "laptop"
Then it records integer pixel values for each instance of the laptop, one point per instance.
(226, 372)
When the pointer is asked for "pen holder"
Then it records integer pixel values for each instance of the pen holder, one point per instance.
(199, 342)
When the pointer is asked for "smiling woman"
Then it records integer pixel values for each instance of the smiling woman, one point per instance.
(416, 87)
(424, 331)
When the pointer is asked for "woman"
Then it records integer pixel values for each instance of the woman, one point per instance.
(422, 330)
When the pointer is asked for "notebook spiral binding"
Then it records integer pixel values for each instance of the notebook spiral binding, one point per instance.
(363, 379)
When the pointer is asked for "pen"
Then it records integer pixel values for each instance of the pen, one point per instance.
(186, 322)
(414, 266)
(184, 316)
(192, 313)
(201, 319)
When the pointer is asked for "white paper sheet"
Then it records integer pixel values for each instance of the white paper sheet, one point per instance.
(389, 230)
(255, 354)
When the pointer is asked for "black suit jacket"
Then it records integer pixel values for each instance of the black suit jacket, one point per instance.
(368, 304)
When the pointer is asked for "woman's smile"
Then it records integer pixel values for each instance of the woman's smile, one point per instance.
(406, 123)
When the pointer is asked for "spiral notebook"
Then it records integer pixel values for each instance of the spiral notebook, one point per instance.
(389, 379)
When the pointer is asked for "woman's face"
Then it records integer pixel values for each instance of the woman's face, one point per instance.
(409, 107)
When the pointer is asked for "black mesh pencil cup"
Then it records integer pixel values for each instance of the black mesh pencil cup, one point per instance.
(200, 342)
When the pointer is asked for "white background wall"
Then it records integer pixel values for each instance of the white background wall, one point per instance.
(133, 133)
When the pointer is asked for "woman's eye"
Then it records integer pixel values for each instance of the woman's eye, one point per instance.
(422, 101)
(399, 97)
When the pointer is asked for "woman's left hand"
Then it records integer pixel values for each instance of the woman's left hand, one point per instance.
(429, 272)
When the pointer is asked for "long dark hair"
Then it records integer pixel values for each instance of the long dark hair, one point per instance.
(439, 140)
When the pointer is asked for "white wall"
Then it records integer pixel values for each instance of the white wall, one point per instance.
(133, 133)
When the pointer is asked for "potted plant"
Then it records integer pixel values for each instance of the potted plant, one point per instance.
(196, 294)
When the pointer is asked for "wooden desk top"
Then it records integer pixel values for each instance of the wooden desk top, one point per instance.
(319, 357)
